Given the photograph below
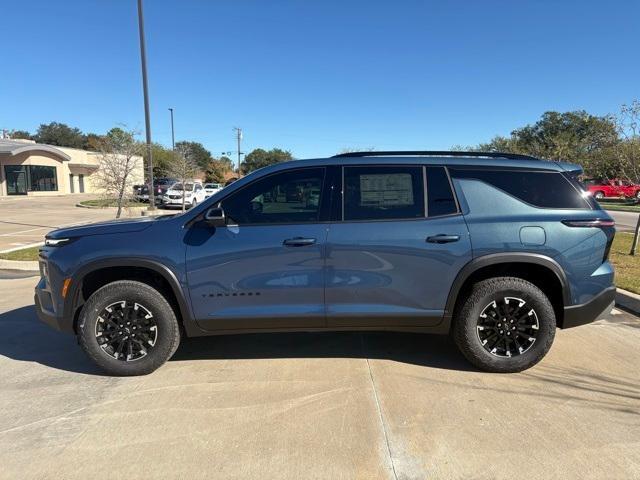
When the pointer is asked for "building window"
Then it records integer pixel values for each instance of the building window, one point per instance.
(30, 178)
(42, 179)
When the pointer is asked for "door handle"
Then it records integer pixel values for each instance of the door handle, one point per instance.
(298, 242)
(442, 238)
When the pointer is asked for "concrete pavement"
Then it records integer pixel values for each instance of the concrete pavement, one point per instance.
(25, 220)
(326, 406)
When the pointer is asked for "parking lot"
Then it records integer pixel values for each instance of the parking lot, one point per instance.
(348, 405)
(25, 220)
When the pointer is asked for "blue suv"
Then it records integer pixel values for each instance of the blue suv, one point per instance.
(495, 249)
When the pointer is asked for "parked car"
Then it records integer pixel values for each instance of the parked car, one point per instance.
(600, 188)
(160, 187)
(193, 194)
(496, 249)
(211, 188)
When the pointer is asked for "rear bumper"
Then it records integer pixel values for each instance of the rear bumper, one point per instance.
(595, 309)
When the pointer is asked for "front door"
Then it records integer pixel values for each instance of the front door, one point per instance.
(16, 176)
(265, 268)
(393, 258)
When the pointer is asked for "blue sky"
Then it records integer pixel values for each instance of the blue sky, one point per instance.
(315, 77)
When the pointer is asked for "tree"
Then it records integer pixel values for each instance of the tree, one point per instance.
(216, 170)
(200, 155)
(59, 134)
(20, 134)
(259, 158)
(162, 159)
(92, 141)
(118, 153)
(183, 167)
(628, 123)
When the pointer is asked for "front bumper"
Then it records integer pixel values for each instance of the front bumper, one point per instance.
(595, 309)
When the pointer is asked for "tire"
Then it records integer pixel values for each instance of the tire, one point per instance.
(598, 195)
(97, 325)
(470, 329)
(637, 195)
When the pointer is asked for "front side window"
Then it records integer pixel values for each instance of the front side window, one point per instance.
(382, 193)
(293, 196)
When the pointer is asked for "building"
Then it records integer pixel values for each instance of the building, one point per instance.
(29, 168)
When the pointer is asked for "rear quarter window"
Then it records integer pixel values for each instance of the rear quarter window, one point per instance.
(540, 189)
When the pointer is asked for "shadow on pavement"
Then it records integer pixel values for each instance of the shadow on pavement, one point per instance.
(434, 351)
(23, 337)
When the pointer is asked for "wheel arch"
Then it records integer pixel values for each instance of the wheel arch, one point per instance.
(97, 274)
(541, 270)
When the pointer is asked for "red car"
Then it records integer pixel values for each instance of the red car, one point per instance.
(613, 188)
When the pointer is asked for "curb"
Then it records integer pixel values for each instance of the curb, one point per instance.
(21, 265)
(103, 208)
(628, 300)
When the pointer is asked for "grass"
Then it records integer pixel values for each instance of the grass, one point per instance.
(627, 267)
(26, 254)
(110, 202)
(621, 206)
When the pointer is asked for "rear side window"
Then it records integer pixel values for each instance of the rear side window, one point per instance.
(440, 197)
(540, 189)
(382, 193)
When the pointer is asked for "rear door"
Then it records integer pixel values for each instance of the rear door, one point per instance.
(393, 257)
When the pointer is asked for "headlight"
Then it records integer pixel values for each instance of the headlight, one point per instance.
(57, 242)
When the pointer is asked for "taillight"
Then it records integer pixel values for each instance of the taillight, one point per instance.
(594, 222)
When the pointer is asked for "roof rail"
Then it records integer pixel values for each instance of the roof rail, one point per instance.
(444, 153)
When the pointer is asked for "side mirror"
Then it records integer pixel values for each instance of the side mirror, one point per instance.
(215, 217)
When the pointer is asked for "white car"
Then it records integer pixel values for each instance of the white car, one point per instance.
(211, 188)
(193, 194)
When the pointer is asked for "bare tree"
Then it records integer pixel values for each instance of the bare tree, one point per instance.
(119, 156)
(628, 124)
(183, 168)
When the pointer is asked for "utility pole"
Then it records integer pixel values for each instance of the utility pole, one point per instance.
(173, 138)
(147, 120)
(239, 139)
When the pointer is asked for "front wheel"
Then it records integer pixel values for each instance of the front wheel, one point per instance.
(599, 195)
(505, 325)
(128, 328)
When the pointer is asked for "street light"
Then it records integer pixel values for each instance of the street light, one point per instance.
(147, 120)
(173, 138)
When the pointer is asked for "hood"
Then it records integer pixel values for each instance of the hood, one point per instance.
(125, 225)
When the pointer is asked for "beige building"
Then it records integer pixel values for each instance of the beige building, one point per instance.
(29, 168)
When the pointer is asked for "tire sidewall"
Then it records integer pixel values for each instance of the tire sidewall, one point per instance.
(152, 300)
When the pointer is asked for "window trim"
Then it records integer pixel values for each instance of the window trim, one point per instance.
(322, 209)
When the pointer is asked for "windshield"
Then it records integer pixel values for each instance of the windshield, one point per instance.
(178, 186)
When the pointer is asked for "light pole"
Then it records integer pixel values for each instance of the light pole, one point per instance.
(147, 120)
(239, 139)
(173, 138)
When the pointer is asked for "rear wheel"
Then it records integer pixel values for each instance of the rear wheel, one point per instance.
(505, 325)
(128, 328)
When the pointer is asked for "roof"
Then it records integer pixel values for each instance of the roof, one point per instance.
(12, 148)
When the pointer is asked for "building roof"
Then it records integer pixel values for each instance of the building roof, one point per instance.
(14, 147)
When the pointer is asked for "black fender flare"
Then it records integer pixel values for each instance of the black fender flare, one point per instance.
(505, 258)
(71, 301)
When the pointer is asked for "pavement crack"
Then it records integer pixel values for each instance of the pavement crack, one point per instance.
(380, 415)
